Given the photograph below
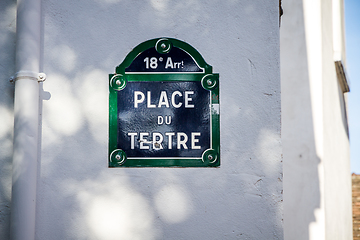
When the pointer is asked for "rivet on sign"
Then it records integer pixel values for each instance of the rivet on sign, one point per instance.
(163, 45)
(118, 157)
(118, 82)
(210, 157)
(209, 82)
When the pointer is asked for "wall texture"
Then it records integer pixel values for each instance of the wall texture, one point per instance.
(7, 69)
(80, 198)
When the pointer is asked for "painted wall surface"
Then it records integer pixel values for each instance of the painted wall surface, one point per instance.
(79, 197)
(317, 184)
(7, 69)
(338, 191)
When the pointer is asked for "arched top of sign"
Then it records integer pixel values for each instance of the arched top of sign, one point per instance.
(163, 55)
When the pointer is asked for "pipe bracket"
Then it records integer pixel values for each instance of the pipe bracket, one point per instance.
(39, 77)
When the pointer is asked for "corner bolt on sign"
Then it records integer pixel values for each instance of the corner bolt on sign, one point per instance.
(164, 108)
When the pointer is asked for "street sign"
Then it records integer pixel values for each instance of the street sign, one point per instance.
(164, 108)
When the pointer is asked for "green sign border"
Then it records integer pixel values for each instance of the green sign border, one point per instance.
(209, 80)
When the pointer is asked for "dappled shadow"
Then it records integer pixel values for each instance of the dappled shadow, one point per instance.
(80, 198)
(7, 69)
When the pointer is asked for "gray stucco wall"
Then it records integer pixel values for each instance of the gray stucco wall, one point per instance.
(79, 197)
(7, 69)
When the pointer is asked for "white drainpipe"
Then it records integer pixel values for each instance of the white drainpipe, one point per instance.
(26, 123)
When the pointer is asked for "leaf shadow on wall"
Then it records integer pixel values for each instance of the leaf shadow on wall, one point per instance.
(79, 197)
(7, 69)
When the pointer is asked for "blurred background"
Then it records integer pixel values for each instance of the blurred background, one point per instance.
(352, 28)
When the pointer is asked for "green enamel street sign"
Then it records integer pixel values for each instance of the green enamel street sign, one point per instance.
(164, 108)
